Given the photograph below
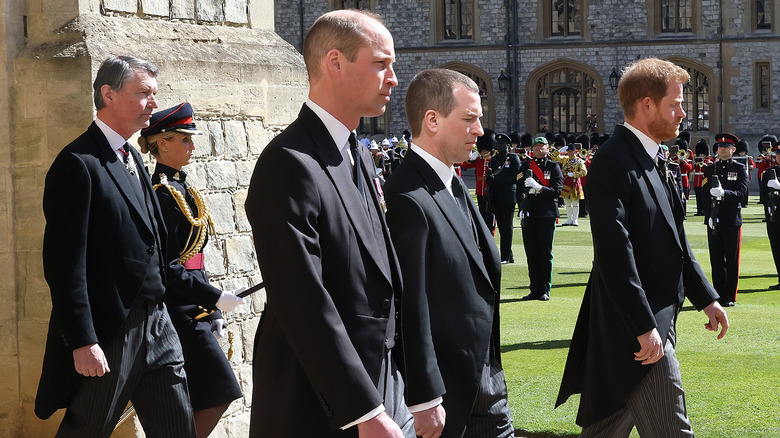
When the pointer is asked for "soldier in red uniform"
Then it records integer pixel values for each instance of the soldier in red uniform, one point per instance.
(485, 149)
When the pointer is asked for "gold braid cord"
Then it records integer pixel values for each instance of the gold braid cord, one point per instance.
(201, 225)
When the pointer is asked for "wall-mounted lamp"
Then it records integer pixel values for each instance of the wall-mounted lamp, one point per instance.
(614, 78)
(504, 81)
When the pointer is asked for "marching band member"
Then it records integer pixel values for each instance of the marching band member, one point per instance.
(699, 162)
(770, 197)
(573, 169)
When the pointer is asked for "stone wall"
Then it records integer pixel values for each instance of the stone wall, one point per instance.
(245, 84)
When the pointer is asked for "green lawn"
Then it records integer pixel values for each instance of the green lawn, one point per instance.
(732, 385)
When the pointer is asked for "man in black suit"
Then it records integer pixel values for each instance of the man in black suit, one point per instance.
(723, 216)
(322, 363)
(451, 267)
(110, 338)
(542, 182)
(622, 353)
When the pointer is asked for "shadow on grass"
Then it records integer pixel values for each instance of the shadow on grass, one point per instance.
(758, 276)
(537, 345)
(573, 273)
(561, 285)
(521, 433)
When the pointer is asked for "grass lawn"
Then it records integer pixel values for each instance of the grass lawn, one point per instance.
(732, 385)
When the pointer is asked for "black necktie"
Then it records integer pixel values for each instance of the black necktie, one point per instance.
(356, 167)
(463, 204)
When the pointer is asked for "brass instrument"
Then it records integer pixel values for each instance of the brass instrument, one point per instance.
(584, 153)
(682, 154)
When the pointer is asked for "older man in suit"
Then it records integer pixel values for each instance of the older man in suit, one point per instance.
(622, 352)
(322, 362)
(110, 338)
(451, 268)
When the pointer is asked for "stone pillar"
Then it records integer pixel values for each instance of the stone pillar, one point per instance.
(245, 84)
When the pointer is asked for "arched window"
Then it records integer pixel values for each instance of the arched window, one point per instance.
(485, 90)
(696, 98)
(566, 97)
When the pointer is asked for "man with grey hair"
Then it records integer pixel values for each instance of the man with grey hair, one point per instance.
(452, 271)
(323, 365)
(110, 337)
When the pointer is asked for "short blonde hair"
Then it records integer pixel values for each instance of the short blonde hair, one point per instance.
(344, 30)
(647, 78)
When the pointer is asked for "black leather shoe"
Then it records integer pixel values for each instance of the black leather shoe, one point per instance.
(775, 286)
(544, 297)
(528, 297)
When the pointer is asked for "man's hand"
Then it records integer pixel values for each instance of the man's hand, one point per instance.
(430, 422)
(717, 316)
(89, 360)
(652, 348)
(380, 426)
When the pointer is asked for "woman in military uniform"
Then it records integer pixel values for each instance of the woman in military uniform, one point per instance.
(211, 381)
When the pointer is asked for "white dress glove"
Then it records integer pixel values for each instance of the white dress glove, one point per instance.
(474, 155)
(570, 174)
(773, 184)
(563, 149)
(228, 300)
(717, 192)
(711, 224)
(218, 327)
(535, 186)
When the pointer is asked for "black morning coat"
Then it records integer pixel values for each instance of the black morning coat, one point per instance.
(643, 269)
(451, 290)
(330, 279)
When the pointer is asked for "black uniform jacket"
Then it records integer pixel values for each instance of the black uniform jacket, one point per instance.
(330, 278)
(733, 179)
(451, 284)
(183, 303)
(504, 168)
(643, 266)
(545, 203)
(98, 249)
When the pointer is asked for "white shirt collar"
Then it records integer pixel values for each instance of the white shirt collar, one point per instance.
(115, 140)
(337, 130)
(651, 147)
(443, 171)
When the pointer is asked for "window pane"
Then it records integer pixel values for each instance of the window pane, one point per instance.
(573, 17)
(467, 20)
(542, 103)
(764, 14)
(667, 15)
(686, 15)
(702, 101)
(450, 19)
(763, 87)
(557, 17)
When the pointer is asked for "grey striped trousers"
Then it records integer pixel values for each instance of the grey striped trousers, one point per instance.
(146, 365)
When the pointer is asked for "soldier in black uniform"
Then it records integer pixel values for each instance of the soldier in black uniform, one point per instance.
(541, 181)
(210, 379)
(504, 167)
(723, 217)
(770, 199)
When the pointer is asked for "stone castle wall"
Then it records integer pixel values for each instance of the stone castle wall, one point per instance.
(245, 84)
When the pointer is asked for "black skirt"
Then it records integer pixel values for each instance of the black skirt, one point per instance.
(210, 378)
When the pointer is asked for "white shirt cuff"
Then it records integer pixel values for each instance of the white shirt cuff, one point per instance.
(374, 412)
(423, 406)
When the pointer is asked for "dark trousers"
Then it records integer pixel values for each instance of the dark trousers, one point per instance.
(699, 201)
(487, 215)
(538, 236)
(724, 257)
(773, 231)
(505, 214)
(147, 368)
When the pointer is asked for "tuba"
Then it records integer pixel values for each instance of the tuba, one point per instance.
(584, 153)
